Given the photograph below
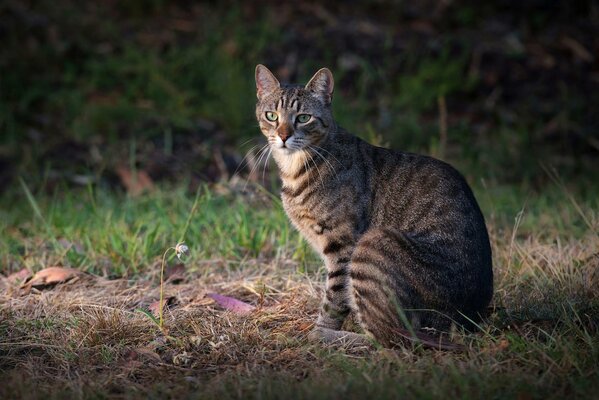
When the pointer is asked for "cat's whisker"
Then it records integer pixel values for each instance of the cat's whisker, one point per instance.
(327, 162)
(317, 170)
(265, 164)
(263, 156)
(305, 162)
(327, 152)
(247, 141)
(245, 160)
(261, 153)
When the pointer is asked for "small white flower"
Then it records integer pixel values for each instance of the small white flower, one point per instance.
(181, 249)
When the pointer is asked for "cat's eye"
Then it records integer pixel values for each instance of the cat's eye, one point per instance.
(302, 118)
(271, 116)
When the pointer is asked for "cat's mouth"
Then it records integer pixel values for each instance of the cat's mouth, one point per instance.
(288, 150)
(287, 147)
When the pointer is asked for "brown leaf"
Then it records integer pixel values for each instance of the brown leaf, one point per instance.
(201, 300)
(18, 276)
(50, 276)
(305, 326)
(231, 304)
(135, 358)
(577, 49)
(154, 308)
(143, 353)
(175, 273)
(135, 183)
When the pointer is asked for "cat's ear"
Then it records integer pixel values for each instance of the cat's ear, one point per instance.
(322, 84)
(265, 81)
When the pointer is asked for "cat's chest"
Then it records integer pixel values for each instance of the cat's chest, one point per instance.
(307, 220)
(314, 223)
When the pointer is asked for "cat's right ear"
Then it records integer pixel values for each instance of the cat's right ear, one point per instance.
(322, 85)
(265, 81)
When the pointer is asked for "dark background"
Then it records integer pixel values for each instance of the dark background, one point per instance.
(504, 90)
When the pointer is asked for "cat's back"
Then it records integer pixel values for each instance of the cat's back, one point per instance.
(425, 199)
(419, 190)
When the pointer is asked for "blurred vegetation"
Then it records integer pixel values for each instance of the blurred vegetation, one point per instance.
(166, 86)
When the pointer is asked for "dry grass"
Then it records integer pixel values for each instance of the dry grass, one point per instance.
(86, 339)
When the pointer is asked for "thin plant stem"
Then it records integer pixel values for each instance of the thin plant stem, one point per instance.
(160, 303)
(191, 214)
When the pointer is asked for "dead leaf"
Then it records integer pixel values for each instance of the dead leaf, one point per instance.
(135, 358)
(201, 300)
(175, 273)
(136, 183)
(154, 308)
(305, 326)
(577, 49)
(231, 304)
(503, 344)
(51, 276)
(500, 346)
(143, 353)
(18, 276)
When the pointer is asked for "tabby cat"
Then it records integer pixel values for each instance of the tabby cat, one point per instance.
(402, 237)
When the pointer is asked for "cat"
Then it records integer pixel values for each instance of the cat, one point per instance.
(402, 236)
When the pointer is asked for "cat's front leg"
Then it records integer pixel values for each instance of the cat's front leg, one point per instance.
(335, 305)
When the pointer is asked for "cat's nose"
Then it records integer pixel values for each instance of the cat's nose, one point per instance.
(284, 132)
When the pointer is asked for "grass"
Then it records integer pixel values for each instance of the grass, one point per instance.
(84, 339)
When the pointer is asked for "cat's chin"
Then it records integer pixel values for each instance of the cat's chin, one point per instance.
(287, 151)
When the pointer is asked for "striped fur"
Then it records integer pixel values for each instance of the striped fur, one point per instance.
(402, 237)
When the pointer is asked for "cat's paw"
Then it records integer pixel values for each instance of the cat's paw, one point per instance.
(342, 338)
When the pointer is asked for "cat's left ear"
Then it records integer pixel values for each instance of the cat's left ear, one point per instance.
(322, 85)
(265, 81)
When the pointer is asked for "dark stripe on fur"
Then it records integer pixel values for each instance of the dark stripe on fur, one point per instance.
(301, 172)
(307, 196)
(337, 287)
(321, 121)
(333, 246)
(360, 275)
(339, 272)
(301, 188)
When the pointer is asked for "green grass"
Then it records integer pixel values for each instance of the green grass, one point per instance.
(541, 341)
(130, 233)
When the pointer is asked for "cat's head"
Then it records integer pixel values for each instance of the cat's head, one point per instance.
(294, 117)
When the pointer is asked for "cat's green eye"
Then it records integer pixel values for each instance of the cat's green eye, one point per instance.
(271, 116)
(302, 118)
